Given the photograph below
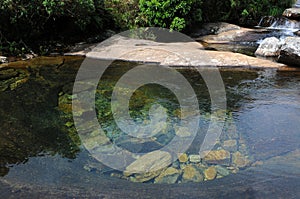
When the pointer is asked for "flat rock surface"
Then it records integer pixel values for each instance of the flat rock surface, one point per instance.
(173, 54)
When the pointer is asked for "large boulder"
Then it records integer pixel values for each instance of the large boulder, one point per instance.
(292, 13)
(214, 28)
(269, 47)
(290, 51)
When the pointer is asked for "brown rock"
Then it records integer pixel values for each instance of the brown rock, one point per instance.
(183, 158)
(191, 174)
(221, 157)
(240, 160)
(150, 162)
(210, 173)
(169, 176)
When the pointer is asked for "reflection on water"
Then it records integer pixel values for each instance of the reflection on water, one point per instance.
(39, 144)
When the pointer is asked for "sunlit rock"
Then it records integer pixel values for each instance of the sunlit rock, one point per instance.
(269, 47)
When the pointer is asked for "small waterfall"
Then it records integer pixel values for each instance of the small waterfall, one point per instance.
(285, 24)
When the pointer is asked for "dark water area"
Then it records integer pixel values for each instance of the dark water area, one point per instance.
(41, 154)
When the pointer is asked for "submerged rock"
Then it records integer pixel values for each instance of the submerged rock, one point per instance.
(290, 51)
(221, 157)
(269, 47)
(191, 174)
(222, 171)
(195, 158)
(183, 158)
(169, 176)
(240, 160)
(144, 177)
(230, 145)
(210, 173)
(149, 162)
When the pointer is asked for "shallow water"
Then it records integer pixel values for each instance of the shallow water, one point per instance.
(40, 154)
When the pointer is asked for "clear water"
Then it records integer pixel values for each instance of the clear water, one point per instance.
(41, 155)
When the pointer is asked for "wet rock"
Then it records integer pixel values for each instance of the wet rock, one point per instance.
(240, 160)
(292, 13)
(169, 176)
(230, 145)
(221, 157)
(194, 158)
(210, 173)
(191, 174)
(144, 177)
(149, 162)
(290, 51)
(269, 47)
(222, 171)
(267, 21)
(183, 158)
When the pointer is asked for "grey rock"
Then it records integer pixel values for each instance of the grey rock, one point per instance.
(290, 51)
(194, 158)
(269, 47)
(292, 13)
(222, 171)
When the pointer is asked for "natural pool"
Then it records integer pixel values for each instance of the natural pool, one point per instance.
(41, 154)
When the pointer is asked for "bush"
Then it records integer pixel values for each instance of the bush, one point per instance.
(27, 20)
(172, 14)
(242, 12)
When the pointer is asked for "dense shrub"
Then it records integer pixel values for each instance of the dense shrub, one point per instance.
(172, 14)
(124, 12)
(27, 20)
(243, 12)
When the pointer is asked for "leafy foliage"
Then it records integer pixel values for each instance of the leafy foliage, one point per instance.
(27, 20)
(172, 14)
(246, 12)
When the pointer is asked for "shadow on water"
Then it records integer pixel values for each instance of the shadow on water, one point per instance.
(41, 156)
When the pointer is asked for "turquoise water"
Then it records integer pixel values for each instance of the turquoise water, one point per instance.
(41, 154)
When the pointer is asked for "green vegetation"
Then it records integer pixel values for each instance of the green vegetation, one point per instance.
(242, 12)
(35, 25)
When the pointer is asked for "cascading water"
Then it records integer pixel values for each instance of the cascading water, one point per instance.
(281, 26)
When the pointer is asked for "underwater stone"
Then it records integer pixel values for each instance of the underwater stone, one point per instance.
(150, 162)
(240, 160)
(210, 173)
(230, 145)
(195, 158)
(191, 174)
(169, 176)
(183, 158)
(222, 171)
(221, 157)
